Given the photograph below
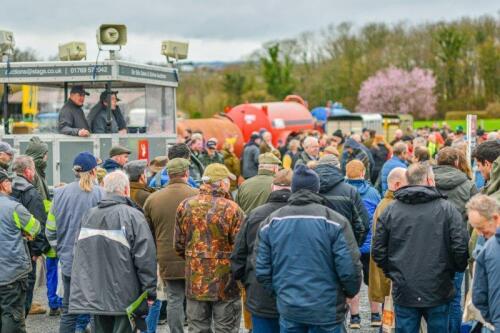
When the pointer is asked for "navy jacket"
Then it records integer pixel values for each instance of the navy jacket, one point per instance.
(111, 165)
(486, 287)
(308, 257)
(344, 199)
(394, 162)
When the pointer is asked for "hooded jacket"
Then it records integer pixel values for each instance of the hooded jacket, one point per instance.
(371, 199)
(486, 286)
(115, 259)
(98, 119)
(360, 152)
(420, 243)
(308, 257)
(24, 192)
(69, 206)
(344, 199)
(37, 149)
(259, 302)
(455, 185)
(14, 257)
(250, 160)
(111, 165)
(255, 191)
(394, 162)
(492, 188)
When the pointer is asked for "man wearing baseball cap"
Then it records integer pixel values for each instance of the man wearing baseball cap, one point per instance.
(118, 157)
(71, 117)
(16, 223)
(69, 205)
(211, 155)
(6, 155)
(205, 232)
(98, 115)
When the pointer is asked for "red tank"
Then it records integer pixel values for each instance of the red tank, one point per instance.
(217, 127)
(279, 118)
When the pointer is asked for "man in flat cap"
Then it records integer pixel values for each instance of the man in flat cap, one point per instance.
(98, 116)
(71, 117)
(118, 157)
(256, 190)
(136, 171)
(160, 210)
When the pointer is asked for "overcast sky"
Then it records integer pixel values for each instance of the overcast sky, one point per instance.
(216, 29)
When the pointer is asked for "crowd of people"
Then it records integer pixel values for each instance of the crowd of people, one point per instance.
(283, 237)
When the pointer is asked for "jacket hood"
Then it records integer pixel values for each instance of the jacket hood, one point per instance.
(113, 199)
(111, 164)
(329, 177)
(21, 184)
(417, 194)
(305, 197)
(447, 177)
(351, 143)
(360, 184)
(494, 182)
(279, 196)
(37, 148)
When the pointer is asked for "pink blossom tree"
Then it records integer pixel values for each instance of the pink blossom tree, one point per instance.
(396, 91)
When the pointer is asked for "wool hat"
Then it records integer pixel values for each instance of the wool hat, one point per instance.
(84, 162)
(304, 178)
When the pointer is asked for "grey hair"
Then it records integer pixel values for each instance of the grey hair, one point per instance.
(116, 182)
(21, 163)
(399, 148)
(308, 141)
(492, 136)
(419, 141)
(484, 205)
(418, 173)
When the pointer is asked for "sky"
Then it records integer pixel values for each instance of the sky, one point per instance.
(217, 30)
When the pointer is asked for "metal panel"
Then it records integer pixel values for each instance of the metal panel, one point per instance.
(105, 145)
(68, 150)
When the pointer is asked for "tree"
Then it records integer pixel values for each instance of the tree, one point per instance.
(278, 72)
(489, 65)
(234, 84)
(396, 91)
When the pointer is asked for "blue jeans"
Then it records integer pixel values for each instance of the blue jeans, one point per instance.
(265, 325)
(152, 318)
(287, 326)
(70, 322)
(55, 302)
(408, 319)
(456, 305)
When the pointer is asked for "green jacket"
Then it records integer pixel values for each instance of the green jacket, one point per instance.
(37, 149)
(255, 191)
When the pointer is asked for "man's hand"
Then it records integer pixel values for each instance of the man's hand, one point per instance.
(150, 302)
(83, 133)
(122, 131)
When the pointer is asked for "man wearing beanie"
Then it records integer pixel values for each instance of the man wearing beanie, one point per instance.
(262, 306)
(256, 190)
(308, 257)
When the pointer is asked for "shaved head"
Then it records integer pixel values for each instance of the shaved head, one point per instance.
(397, 179)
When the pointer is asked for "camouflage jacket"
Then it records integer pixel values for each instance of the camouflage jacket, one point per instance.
(205, 231)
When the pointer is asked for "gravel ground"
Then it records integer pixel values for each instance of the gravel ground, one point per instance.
(46, 324)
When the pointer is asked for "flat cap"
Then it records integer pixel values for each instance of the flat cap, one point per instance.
(269, 158)
(135, 169)
(177, 165)
(118, 150)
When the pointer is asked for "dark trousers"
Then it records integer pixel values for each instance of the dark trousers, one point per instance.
(265, 325)
(408, 319)
(287, 326)
(12, 303)
(111, 324)
(68, 321)
(29, 291)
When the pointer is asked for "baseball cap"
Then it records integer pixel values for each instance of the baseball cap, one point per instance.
(84, 162)
(6, 148)
(78, 90)
(4, 175)
(178, 165)
(105, 94)
(118, 150)
(215, 172)
(211, 144)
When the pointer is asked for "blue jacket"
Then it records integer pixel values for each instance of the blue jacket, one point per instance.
(394, 162)
(486, 287)
(164, 179)
(308, 257)
(371, 199)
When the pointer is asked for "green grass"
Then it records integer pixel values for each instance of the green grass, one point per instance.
(486, 124)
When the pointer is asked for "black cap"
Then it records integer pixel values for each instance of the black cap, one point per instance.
(338, 133)
(5, 175)
(78, 90)
(105, 94)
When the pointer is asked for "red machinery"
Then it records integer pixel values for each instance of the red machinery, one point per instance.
(279, 118)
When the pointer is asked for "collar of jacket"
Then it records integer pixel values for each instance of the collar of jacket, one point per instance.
(305, 197)
(115, 199)
(73, 104)
(279, 196)
(265, 172)
(417, 194)
(177, 181)
(21, 183)
(493, 184)
(214, 190)
(139, 186)
(389, 195)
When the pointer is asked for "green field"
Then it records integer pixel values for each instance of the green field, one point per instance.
(486, 124)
